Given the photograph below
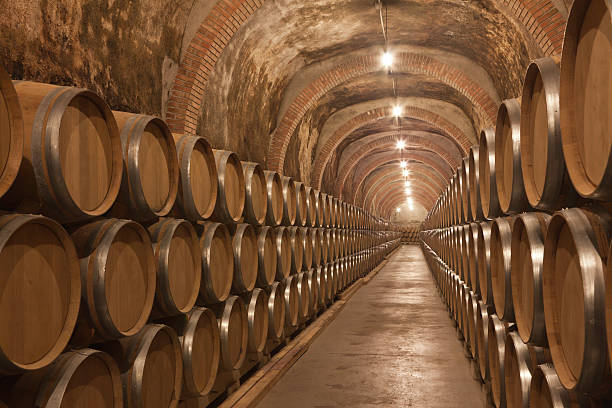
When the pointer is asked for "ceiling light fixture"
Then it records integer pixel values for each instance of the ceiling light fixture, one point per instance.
(403, 164)
(398, 209)
(397, 111)
(400, 144)
(387, 59)
(405, 173)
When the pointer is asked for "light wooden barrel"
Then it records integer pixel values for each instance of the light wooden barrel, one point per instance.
(527, 255)
(284, 254)
(79, 378)
(317, 238)
(547, 183)
(472, 316)
(233, 332)
(472, 239)
(330, 283)
(484, 262)
(324, 202)
(301, 204)
(151, 367)
(483, 313)
(306, 239)
(198, 333)
(313, 290)
(72, 163)
(258, 319)
(574, 290)
(465, 189)
(178, 265)
(510, 186)
(41, 292)
(297, 249)
(274, 189)
(497, 348)
(464, 239)
(150, 182)
(311, 207)
(474, 183)
(546, 391)
(266, 255)
(329, 245)
(289, 201)
(501, 262)
(320, 209)
(276, 310)
(11, 132)
(292, 301)
(246, 259)
(322, 289)
(231, 194)
(458, 205)
(519, 362)
(217, 262)
(256, 194)
(303, 286)
(333, 211)
(198, 179)
(488, 174)
(586, 74)
(118, 278)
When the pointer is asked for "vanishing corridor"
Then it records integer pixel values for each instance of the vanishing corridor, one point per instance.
(393, 345)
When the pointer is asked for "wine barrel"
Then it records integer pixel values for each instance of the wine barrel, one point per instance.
(233, 332)
(41, 292)
(464, 232)
(79, 378)
(301, 204)
(488, 174)
(303, 295)
(266, 254)
(72, 165)
(586, 71)
(465, 190)
(473, 257)
(329, 243)
(200, 347)
(547, 183)
(256, 194)
(333, 212)
(289, 201)
(258, 319)
(284, 253)
(575, 252)
(501, 262)
(547, 391)
(472, 316)
(484, 262)
(474, 183)
(274, 188)
(306, 238)
(150, 182)
(320, 208)
(510, 186)
(483, 313)
(198, 179)
(496, 340)
(276, 310)
(311, 206)
(244, 245)
(117, 276)
(231, 194)
(217, 262)
(151, 367)
(527, 254)
(324, 203)
(330, 285)
(11, 131)
(519, 362)
(297, 249)
(313, 290)
(458, 204)
(292, 301)
(317, 237)
(179, 266)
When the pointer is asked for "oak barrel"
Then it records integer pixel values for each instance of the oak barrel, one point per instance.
(306, 239)
(151, 174)
(292, 301)
(289, 201)
(217, 262)
(488, 175)
(297, 249)
(178, 265)
(484, 262)
(474, 183)
(233, 332)
(313, 285)
(256, 194)
(501, 262)
(258, 319)
(496, 340)
(465, 189)
(118, 277)
(311, 205)
(301, 204)
(72, 162)
(276, 310)
(246, 260)
(303, 286)
(317, 238)
(198, 179)
(266, 254)
(284, 253)
(11, 132)
(546, 391)
(231, 187)
(274, 189)
(483, 314)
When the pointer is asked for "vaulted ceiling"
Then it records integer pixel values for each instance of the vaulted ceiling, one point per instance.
(299, 85)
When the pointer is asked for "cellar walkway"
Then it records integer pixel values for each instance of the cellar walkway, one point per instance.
(392, 345)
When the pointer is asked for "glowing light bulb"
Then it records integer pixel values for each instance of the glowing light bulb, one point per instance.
(407, 184)
(405, 173)
(403, 164)
(397, 111)
(398, 209)
(400, 144)
(387, 59)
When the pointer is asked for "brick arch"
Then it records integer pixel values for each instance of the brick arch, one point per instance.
(361, 65)
(381, 188)
(389, 141)
(393, 171)
(397, 195)
(394, 156)
(390, 179)
(387, 206)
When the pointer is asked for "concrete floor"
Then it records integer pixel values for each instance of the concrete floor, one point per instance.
(393, 345)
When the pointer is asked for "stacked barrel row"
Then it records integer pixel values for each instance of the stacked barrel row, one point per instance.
(143, 268)
(519, 242)
(410, 234)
